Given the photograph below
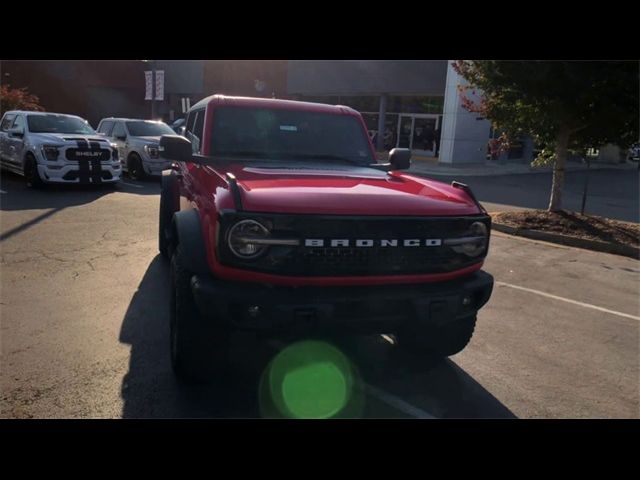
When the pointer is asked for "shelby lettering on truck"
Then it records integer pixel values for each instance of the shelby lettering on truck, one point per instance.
(276, 217)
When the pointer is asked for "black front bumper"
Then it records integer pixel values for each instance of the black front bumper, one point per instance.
(373, 309)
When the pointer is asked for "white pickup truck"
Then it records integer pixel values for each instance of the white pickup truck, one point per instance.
(56, 148)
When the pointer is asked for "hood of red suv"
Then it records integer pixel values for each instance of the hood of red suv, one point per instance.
(346, 190)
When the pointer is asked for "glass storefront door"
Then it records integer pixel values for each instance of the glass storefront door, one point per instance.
(418, 132)
(405, 129)
(424, 136)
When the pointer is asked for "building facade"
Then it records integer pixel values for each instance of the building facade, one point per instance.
(414, 103)
(90, 89)
(405, 103)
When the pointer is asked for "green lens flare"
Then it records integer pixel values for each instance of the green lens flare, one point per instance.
(318, 390)
(310, 379)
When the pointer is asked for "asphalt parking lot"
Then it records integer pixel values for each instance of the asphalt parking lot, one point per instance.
(612, 193)
(84, 327)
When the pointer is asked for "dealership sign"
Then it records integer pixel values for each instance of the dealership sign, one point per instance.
(159, 81)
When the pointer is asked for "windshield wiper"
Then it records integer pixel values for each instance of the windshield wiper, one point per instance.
(324, 156)
(241, 153)
(279, 155)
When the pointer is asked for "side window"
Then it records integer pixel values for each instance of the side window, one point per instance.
(106, 127)
(118, 130)
(193, 132)
(18, 122)
(198, 127)
(7, 121)
(190, 119)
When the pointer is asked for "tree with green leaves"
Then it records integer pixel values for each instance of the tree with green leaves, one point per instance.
(563, 105)
(17, 99)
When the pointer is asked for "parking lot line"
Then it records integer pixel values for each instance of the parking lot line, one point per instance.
(397, 403)
(568, 300)
(131, 184)
(385, 397)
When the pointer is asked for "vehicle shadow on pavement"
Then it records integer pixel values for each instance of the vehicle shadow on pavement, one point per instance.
(439, 387)
(16, 196)
(150, 390)
(19, 197)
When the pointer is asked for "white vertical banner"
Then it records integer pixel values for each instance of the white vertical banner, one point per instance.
(184, 105)
(159, 84)
(148, 85)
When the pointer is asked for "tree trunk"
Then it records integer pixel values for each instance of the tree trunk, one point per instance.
(562, 141)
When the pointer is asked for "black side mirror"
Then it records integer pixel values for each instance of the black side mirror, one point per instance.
(400, 158)
(121, 137)
(175, 148)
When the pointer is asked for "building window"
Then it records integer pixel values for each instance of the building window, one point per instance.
(416, 104)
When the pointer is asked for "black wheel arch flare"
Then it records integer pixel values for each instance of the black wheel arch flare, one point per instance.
(189, 236)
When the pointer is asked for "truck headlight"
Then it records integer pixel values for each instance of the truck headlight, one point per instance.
(51, 153)
(240, 236)
(152, 151)
(473, 243)
(114, 154)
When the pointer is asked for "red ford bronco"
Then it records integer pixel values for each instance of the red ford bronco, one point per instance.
(277, 217)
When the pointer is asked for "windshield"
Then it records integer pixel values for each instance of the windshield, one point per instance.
(286, 134)
(58, 124)
(148, 129)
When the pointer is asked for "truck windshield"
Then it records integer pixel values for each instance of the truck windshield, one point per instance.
(289, 134)
(58, 124)
(149, 129)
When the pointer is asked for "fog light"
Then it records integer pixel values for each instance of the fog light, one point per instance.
(466, 300)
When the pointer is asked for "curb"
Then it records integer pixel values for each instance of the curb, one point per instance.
(614, 248)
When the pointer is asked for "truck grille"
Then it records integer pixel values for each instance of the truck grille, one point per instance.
(401, 260)
(81, 154)
(87, 150)
(344, 261)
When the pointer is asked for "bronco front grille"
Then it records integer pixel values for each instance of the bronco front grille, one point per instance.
(303, 260)
(377, 260)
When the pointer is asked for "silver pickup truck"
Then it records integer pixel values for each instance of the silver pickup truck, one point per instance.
(56, 148)
(137, 142)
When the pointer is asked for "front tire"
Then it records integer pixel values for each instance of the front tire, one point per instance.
(164, 224)
(135, 168)
(199, 349)
(31, 174)
(438, 342)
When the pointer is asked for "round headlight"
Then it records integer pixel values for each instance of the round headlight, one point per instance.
(476, 240)
(240, 236)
